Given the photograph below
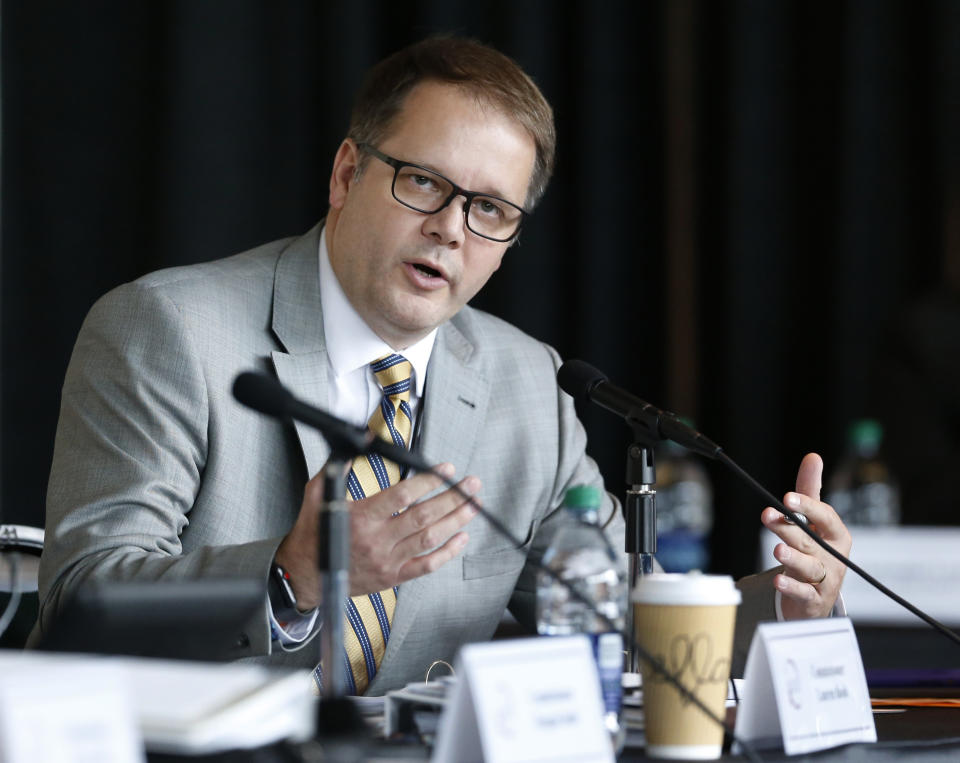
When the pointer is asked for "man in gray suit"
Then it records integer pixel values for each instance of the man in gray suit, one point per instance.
(159, 474)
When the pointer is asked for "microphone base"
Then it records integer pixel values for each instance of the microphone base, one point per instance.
(338, 719)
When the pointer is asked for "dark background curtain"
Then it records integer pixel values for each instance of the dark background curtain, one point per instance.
(751, 198)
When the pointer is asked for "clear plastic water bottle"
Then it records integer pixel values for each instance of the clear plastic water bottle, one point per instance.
(581, 554)
(862, 490)
(684, 510)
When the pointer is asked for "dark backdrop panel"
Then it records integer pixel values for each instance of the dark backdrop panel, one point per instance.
(139, 135)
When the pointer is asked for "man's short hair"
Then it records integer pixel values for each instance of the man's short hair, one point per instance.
(484, 72)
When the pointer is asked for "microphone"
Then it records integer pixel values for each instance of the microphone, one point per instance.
(581, 380)
(584, 382)
(265, 394)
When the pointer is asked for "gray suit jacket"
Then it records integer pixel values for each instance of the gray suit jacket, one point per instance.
(159, 474)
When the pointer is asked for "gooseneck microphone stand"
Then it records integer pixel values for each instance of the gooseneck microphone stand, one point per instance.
(337, 717)
(333, 564)
(640, 535)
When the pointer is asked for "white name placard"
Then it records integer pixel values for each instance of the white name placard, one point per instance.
(806, 687)
(66, 711)
(534, 699)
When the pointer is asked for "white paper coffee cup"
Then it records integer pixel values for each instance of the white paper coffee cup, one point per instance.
(686, 622)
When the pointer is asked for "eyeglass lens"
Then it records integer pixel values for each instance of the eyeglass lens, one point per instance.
(427, 192)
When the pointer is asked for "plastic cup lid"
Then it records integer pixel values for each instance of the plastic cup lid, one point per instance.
(686, 589)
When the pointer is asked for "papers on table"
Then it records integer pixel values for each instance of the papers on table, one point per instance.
(177, 706)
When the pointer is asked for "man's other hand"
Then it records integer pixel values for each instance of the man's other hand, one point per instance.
(810, 582)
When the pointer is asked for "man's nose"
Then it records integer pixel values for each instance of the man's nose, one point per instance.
(448, 226)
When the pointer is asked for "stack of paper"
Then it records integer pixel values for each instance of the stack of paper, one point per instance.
(174, 706)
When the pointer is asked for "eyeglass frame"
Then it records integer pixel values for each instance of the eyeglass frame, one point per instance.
(469, 196)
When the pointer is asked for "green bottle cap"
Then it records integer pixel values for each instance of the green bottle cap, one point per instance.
(583, 498)
(866, 435)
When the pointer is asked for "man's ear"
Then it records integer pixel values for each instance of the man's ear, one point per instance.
(345, 166)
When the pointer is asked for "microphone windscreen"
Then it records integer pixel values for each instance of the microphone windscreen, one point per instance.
(577, 378)
(262, 393)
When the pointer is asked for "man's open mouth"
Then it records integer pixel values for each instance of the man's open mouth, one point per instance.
(427, 270)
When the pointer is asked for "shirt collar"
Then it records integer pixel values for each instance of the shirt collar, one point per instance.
(351, 343)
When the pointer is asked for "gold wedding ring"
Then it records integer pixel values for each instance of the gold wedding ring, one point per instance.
(823, 576)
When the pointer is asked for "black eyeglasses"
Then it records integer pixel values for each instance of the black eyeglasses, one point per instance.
(427, 191)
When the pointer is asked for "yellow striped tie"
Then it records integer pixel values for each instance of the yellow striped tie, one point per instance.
(368, 618)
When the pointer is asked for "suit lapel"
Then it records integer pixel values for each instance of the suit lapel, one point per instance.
(298, 325)
(455, 403)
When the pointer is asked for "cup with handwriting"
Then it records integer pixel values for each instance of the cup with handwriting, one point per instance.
(686, 622)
